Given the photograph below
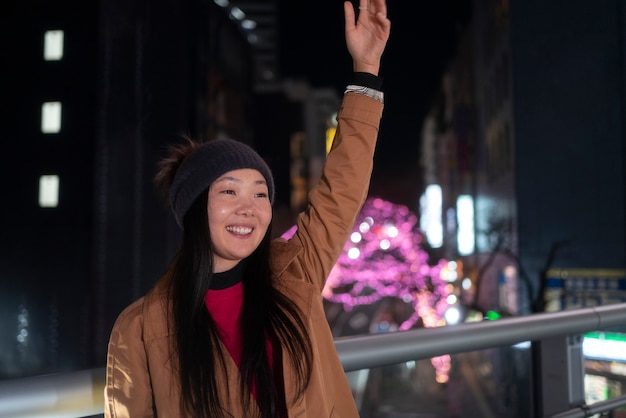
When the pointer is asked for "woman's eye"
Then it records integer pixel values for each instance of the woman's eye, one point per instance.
(228, 191)
(261, 194)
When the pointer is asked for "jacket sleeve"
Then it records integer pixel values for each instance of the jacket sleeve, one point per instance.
(127, 390)
(335, 201)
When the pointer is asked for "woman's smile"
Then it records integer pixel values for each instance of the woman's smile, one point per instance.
(239, 213)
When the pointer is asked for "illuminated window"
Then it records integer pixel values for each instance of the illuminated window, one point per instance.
(53, 45)
(465, 230)
(51, 117)
(431, 220)
(49, 191)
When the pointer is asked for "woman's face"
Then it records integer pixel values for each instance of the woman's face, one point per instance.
(239, 213)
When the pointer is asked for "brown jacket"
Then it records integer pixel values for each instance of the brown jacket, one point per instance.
(139, 381)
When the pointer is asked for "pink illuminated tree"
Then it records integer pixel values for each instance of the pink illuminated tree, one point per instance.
(383, 258)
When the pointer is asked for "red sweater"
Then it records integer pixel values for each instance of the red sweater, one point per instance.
(225, 306)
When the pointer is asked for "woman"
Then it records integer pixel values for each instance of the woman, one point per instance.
(236, 325)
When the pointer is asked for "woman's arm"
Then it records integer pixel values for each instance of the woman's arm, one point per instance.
(335, 201)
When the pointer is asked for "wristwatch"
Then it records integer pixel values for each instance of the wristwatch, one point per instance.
(373, 93)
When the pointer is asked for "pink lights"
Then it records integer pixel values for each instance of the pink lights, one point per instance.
(383, 258)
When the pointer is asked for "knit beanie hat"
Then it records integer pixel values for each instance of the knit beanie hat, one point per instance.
(204, 165)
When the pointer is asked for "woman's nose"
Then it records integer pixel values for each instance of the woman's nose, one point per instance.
(246, 208)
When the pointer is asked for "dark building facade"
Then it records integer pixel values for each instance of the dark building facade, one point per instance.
(531, 125)
(131, 77)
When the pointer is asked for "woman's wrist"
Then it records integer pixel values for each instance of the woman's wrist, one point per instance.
(366, 68)
(369, 80)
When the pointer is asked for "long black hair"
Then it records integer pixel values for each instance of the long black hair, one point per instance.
(266, 313)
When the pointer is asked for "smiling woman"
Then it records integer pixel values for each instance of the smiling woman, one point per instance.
(240, 213)
(236, 325)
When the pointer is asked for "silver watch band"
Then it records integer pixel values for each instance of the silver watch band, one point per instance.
(373, 93)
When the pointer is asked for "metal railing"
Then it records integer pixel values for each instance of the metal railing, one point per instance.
(80, 394)
(367, 351)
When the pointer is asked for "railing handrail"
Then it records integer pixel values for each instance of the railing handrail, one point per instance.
(80, 394)
(366, 351)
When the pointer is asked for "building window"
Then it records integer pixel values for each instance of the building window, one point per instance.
(49, 191)
(465, 231)
(53, 45)
(51, 117)
(431, 215)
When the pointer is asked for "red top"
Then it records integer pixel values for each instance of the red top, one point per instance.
(225, 305)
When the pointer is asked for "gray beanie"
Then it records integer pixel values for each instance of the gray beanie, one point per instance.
(204, 165)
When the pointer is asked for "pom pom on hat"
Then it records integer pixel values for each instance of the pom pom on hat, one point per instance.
(206, 164)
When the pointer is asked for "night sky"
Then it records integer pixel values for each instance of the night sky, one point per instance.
(423, 39)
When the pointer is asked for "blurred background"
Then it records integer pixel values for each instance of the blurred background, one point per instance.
(498, 187)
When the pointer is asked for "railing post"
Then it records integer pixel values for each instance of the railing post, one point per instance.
(558, 366)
